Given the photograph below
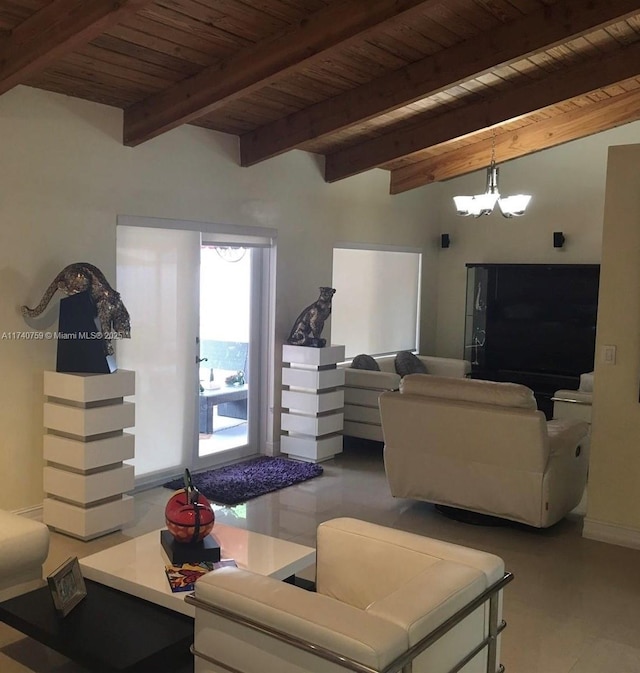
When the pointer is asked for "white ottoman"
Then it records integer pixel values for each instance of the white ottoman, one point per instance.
(24, 545)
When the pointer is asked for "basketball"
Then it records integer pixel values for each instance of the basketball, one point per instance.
(188, 521)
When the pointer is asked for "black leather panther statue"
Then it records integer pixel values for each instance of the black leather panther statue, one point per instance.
(308, 326)
(81, 276)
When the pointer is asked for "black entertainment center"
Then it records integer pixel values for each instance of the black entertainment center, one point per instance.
(533, 324)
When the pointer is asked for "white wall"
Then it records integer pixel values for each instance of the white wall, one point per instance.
(613, 512)
(567, 184)
(66, 177)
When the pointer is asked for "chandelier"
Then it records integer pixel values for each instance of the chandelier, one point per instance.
(483, 204)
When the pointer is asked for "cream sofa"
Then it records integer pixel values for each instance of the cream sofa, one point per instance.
(363, 387)
(575, 404)
(482, 446)
(24, 545)
(382, 598)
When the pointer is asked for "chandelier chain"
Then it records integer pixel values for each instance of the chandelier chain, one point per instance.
(493, 148)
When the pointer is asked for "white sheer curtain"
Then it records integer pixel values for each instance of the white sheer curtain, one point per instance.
(158, 279)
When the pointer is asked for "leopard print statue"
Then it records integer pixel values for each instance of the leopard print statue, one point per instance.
(81, 276)
(308, 326)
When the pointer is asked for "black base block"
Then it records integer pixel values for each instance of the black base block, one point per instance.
(189, 552)
(80, 348)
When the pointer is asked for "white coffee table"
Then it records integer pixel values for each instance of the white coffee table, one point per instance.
(137, 566)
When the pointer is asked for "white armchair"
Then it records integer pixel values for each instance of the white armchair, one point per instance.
(386, 600)
(482, 446)
(24, 545)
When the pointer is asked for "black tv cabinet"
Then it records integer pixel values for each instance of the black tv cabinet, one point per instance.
(532, 324)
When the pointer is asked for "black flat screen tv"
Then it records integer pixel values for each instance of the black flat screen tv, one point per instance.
(541, 318)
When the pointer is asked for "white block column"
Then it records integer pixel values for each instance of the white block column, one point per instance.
(312, 402)
(85, 478)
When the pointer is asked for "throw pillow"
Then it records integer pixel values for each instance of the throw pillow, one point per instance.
(363, 361)
(407, 363)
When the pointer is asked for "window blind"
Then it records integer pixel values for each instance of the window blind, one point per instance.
(376, 306)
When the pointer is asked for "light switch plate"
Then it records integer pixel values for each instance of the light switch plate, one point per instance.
(609, 355)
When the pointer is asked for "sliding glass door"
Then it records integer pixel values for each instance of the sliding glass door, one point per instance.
(227, 348)
(195, 308)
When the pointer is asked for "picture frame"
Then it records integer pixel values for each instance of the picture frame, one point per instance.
(67, 586)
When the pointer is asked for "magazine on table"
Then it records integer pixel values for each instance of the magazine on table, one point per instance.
(183, 577)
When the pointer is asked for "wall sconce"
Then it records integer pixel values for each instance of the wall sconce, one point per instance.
(445, 240)
(558, 239)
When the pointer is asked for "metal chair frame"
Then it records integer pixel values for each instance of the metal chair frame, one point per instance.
(403, 663)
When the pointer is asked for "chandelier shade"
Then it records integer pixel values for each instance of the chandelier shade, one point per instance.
(481, 204)
(514, 206)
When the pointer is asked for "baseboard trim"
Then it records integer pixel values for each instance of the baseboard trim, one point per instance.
(611, 533)
(272, 448)
(34, 512)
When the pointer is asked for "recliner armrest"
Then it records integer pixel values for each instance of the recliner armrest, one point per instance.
(312, 617)
(565, 435)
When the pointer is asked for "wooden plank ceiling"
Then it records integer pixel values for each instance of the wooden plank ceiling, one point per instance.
(422, 88)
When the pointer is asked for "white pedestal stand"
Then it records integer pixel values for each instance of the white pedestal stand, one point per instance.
(84, 449)
(312, 402)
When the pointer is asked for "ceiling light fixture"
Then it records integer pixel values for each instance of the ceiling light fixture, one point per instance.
(483, 204)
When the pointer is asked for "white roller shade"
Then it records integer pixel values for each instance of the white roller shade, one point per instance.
(376, 306)
(158, 277)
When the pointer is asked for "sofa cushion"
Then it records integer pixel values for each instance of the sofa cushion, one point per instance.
(470, 390)
(364, 361)
(408, 363)
(387, 363)
(427, 600)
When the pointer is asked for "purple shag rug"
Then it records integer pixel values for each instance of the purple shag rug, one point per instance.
(234, 484)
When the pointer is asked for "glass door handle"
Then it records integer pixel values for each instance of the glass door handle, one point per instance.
(199, 360)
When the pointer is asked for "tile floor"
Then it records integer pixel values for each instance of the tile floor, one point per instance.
(574, 606)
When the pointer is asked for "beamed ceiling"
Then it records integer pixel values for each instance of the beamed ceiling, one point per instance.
(419, 88)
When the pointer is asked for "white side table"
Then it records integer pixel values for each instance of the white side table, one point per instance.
(85, 479)
(312, 402)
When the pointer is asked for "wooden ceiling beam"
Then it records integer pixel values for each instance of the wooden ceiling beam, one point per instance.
(306, 42)
(578, 123)
(502, 45)
(503, 106)
(55, 30)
